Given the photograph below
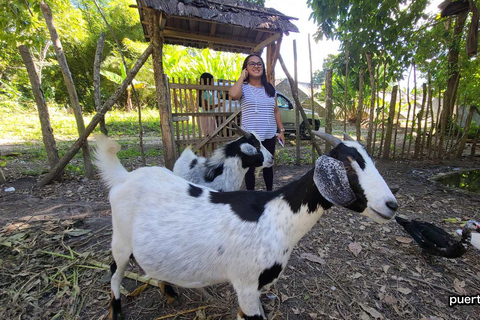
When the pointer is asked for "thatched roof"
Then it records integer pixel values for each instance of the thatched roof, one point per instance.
(222, 25)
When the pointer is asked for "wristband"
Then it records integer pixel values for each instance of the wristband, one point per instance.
(282, 130)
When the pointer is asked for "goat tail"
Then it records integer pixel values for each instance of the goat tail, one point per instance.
(111, 170)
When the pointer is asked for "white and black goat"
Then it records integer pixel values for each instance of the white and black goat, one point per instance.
(192, 236)
(226, 169)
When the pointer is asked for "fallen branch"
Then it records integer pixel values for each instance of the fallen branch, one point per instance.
(128, 274)
(434, 285)
(182, 312)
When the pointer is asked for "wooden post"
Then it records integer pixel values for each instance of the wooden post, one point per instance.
(328, 106)
(297, 103)
(47, 132)
(391, 116)
(297, 110)
(273, 51)
(72, 92)
(466, 130)
(311, 93)
(418, 138)
(95, 120)
(372, 102)
(358, 124)
(96, 79)
(383, 108)
(414, 114)
(346, 88)
(161, 88)
(408, 116)
(436, 151)
(398, 121)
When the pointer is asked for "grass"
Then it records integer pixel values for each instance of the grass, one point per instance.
(20, 124)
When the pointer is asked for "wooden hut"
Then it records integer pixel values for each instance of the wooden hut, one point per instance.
(221, 25)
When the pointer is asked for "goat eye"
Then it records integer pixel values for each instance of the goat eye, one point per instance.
(348, 168)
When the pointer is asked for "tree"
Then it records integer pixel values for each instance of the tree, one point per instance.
(318, 77)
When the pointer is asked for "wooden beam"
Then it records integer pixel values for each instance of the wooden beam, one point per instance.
(213, 31)
(162, 92)
(266, 42)
(189, 36)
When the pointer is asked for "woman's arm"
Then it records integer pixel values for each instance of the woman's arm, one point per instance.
(278, 119)
(235, 91)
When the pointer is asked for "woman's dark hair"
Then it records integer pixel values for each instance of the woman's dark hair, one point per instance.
(205, 79)
(269, 89)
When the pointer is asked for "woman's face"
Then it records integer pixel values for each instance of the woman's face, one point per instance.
(255, 67)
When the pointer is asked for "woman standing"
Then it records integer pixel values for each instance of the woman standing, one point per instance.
(260, 114)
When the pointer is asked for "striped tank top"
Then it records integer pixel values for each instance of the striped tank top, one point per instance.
(258, 111)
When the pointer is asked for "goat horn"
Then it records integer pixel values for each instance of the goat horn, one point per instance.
(334, 141)
(238, 130)
(347, 137)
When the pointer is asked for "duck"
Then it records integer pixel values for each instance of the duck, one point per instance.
(475, 241)
(436, 241)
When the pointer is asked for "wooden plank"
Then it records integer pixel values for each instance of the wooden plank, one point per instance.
(266, 42)
(189, 106)
(189, 36)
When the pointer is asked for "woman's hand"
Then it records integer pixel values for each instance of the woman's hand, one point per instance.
(281, 136)
(243, 75)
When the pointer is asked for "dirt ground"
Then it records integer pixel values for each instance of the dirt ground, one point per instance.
(54, 256)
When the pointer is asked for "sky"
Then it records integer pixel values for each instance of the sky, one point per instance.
(299, 9)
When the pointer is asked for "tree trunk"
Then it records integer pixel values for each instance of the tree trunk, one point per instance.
(328, 106)
(96, 79)
(72, 92)
(96, 119)
(162, 91)
(453, 79)
(360, 106)
(391, 116)
(47, 132)
(372, 102)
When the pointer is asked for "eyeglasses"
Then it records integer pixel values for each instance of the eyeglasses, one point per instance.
(253, 64)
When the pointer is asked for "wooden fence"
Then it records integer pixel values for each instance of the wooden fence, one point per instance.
(201, 114)
(411, 126)
(403, 127)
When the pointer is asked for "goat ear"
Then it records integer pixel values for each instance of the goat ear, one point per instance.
(248, 149)
(331, 179)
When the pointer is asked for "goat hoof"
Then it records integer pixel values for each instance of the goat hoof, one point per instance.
(168, 292)
(115, 312)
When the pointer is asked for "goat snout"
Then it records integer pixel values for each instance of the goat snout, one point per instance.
(392, 205)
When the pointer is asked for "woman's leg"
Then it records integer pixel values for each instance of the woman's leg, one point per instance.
(269, 144)
(250, 179)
